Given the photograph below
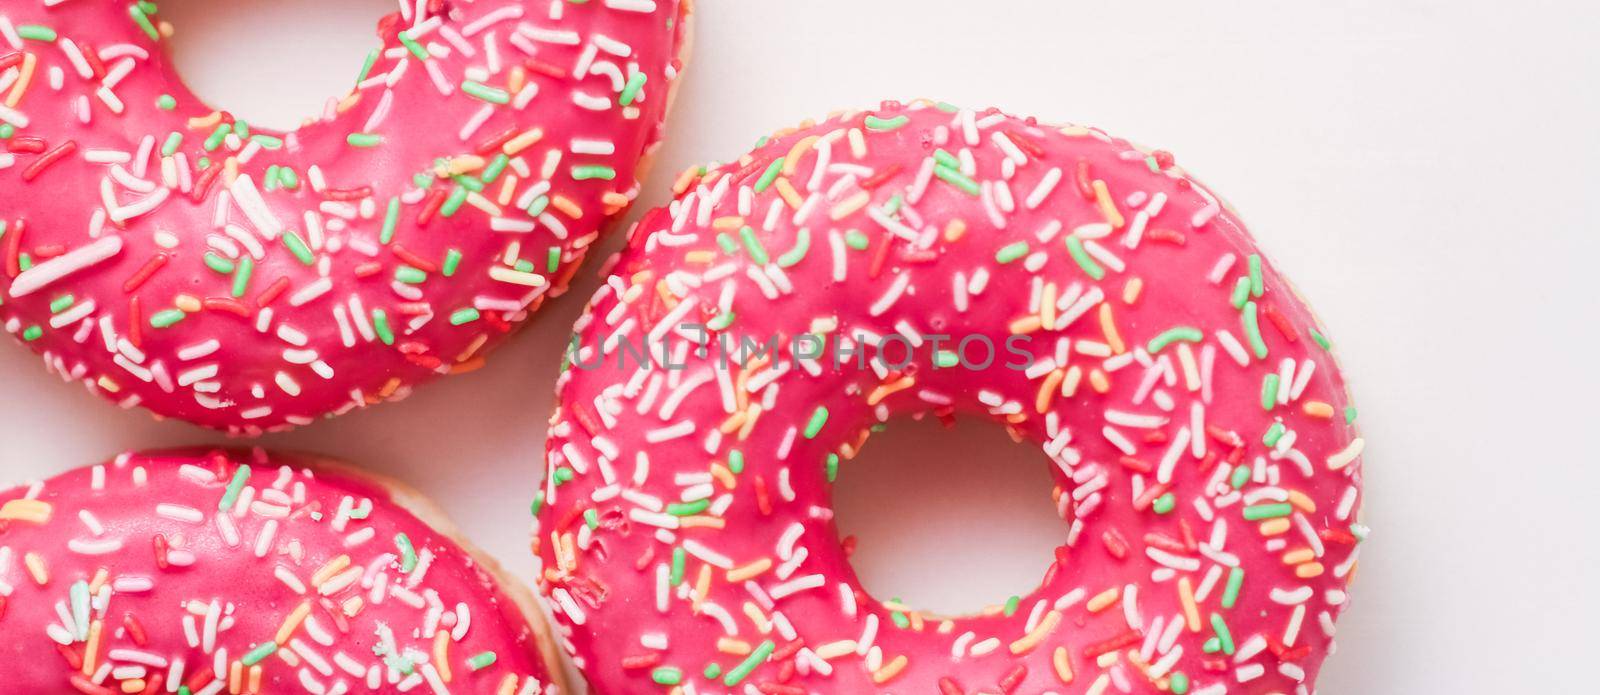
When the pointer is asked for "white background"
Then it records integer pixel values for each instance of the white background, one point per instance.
(1422, 171)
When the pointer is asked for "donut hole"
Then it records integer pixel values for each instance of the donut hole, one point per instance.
(948, 519)
(273, 64)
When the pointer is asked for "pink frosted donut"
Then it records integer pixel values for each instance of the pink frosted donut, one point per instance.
(217, 572)
(1085, 293)
(166, 254)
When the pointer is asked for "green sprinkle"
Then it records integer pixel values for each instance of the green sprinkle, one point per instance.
(552, 259)
(688, 508)
(214, 140)
(218, 263)
(712, 670)
(1269, 392)
(1222, 633)
(496, 167)
(954, 177)
(758, 253)
(666, 675)
(1230, 593)
(900, 619)
(819, 417)
(1271, 510)
(944, 359)
(231, 493)
(1241, 475)
(1079, 254)
(410, 275)
(1241, 293)
(452, 261)
(479, 662)
(770, 175)
(564, 475)
(493, 95)
(364, 139)
(7, 130)
(32, 333)
(833, 467)
(297, 246)
(288, 178)
(886, 124)
(856, 239)
(591, 518)
(380, 323)
(675, 576)
(1188, 334)
(165, 102)
(1349, 414)
(1212, 646)
(736, 461)
(36, 32)
(893, 206)
(458, 196)
(412, 45)
(729, 246)
(255, 656)
(267, 141)
(802, 244)
(1012, 604)
(1273, 434)
(1164, 503)
(1256, 285)
(163, 319)
(536, 208)
(1011, 252)
(60, 304)
(630, 91)
(941, 156)
(1320, 340)
(408, 553)
(721, 321)
(391, 220)
(749, 664)
(538, 503)
(174, 139)
(366, 66)
(593, 171)
(1252, 331)
(461, 316)
(1179, 683)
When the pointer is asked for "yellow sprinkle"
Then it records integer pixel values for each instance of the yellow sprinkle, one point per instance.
(99, 580)
(834, 650)
(522, 141)
(36, 568)
(1191, 612)
(1025, 325)
(736, 647)
(1047, 391)
(750, 571)
(954, 230)
(1040, 631)
(1108, 207)
(1308, 570)
(352, 606)
(790, 196)
(1108, 326)
(1295, 557)
(1191, 369)
(724, 476)
(849, 206)
(1104, 599)
(328, 571)
(1099, 381)
(1047, 305)
(757, 618)
(31, 511)
(728, 223)
(188, 303)
(1130, 290)
(20, 87)
(1069, 386)
(1304, 503)
(441, 650)
(698, 257)
(133, 685)
(1062, 660)
(890, 670)
(255, 678)
(508, 685)
(858, 143)
(1275, 527)
(91, 648)
(702, 586)
(236, 678)
(702, 521)
(791, 161)
(292, 623)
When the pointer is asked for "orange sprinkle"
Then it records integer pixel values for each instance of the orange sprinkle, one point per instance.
(1318, 409)
(750, 571)
(522, 141)
(1108, 326)
(735, 647)
(1296, 557)
(954, 230)
(885, 390)
(1131, 290)
(330, 569)
(1309, 570)
(292, 623)
(441, 649)
(791, 161)
(1037, 635)
(1099, 381)
(91, 648)
(1191, 612)
(1304, 503)
(788, 193)
(1025, 325)
(1047, 391)
(1108, 207)
(20, 87)
(31, 511)
(890, 670)
(1275, 527)
(1104, 600)
(36, 568)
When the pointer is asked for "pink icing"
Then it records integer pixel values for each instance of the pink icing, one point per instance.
(687, 538)
(237, 296)
(125, 577)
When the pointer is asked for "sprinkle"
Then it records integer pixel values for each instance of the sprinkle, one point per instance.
(364, 139)
(819, 417)
(875, 123)
(230, 495)
(1081, 256)
(738, 673)
(1188, 334)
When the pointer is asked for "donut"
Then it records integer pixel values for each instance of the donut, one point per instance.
(247, 572)
(923, 260)
(170, 255)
